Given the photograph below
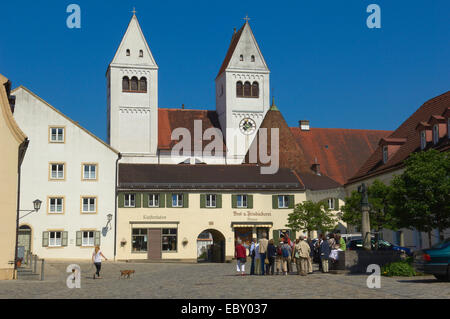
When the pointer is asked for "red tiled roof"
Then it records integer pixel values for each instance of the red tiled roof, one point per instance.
(170, 119)
(233, 44)
(340, 152)
(375, 166)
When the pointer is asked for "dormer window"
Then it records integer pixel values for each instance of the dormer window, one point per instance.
(423, 139)
(436, 133)
(385, 154)
(141, 53)
(448, 127)
(253, 58)
(128, 52)
(241, 58)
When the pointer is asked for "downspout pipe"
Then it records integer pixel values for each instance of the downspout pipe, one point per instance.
(21, 154)
(119, 157)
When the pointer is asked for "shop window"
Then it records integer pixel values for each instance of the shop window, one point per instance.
(139, 240)
(169, 239)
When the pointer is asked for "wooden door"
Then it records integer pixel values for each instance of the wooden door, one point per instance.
(154, 243)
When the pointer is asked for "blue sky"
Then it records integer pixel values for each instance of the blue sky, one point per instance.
(326, 65)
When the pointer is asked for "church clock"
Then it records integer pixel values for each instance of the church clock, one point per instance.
(247, 126)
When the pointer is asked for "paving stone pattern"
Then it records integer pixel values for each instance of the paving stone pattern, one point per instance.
(204, 281)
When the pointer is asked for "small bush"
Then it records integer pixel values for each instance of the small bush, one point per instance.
(400, 268)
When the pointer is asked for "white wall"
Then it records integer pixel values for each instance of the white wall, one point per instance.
(35, 117)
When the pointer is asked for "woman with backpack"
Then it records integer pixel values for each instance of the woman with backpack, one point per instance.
(286, 251)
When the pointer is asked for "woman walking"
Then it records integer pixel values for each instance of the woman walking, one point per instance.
(97, 260)
(271, 255)
(241, 257)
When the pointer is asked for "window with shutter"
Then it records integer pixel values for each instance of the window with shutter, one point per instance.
(97, 238)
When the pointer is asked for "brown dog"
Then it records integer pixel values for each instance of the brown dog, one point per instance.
(126, 273)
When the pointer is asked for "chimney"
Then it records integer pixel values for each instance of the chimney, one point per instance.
(304, 125)
(316, 167)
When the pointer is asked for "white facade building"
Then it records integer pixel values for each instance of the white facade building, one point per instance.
(73, 173)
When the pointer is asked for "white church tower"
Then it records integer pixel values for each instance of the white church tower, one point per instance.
(132, 97)
(242, 93)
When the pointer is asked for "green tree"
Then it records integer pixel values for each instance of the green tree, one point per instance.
(309, 216)
(380, 213)
(421, 194)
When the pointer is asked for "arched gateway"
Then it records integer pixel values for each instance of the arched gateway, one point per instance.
(211, 246)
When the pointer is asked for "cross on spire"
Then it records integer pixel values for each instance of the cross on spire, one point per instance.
(134, 11)
(246, 18)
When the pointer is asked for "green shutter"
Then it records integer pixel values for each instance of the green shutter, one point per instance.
(233, 201)
(169, 200)
(336, 204)
(162, 200)
(64, 238)
(185, 200)
(79, 239)
(274, 201)
(276, 237)
(219, 201)
(291, 201)
(202, 200)
(45, 236)
(121, 199)
(137, 199)
(249, 201)
(97, 238)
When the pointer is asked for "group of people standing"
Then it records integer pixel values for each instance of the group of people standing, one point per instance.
(269, 259)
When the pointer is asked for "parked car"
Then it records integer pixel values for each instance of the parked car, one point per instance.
(357, 244)
(435, 260)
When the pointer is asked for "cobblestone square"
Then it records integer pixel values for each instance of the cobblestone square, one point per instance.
(218, 281)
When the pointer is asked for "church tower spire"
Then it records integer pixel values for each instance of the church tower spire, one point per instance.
(132, 86)
(242, 91)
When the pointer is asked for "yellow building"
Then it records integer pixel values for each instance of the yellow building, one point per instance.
(13, 144)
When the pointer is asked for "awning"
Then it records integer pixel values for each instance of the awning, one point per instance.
(252, 224)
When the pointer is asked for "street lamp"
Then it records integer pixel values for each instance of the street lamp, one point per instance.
(37, 206)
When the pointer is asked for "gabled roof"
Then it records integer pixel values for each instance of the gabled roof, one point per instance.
(235, 41)
(134, 40)
(407, 130)
(64, 116)
(5, 109)
(170, 119)
(231, 177)
(340, 152)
